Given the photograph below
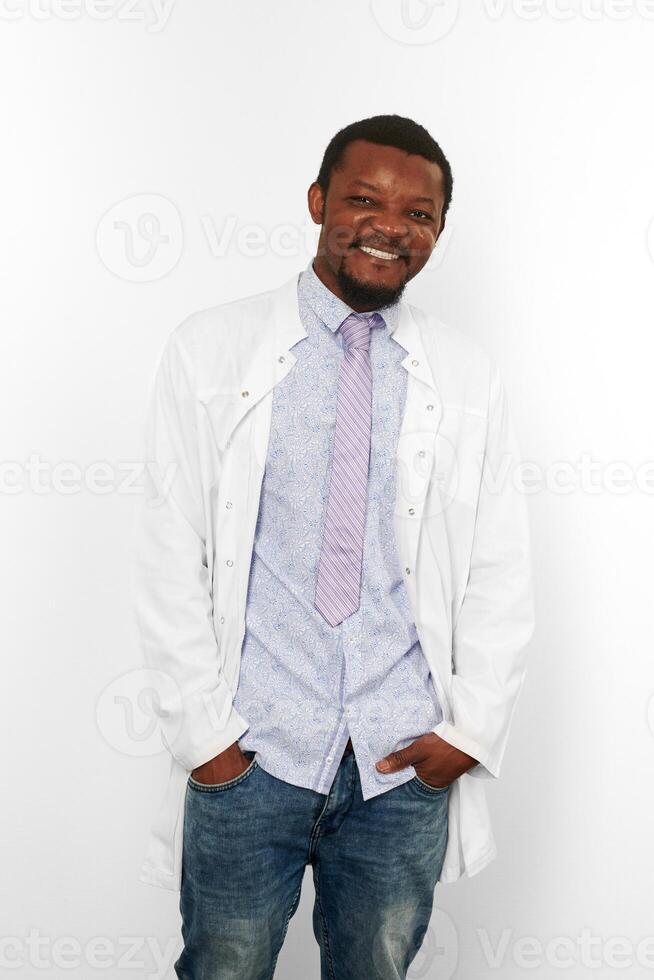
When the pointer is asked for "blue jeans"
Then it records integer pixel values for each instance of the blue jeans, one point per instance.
(375, 867)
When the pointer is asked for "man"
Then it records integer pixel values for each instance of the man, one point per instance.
(334, 591)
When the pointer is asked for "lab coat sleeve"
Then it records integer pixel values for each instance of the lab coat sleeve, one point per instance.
(496, 616)
(170, 581)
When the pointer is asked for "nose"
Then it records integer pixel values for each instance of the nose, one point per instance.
(391, 225)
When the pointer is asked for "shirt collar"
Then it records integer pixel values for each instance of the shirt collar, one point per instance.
(332, 310)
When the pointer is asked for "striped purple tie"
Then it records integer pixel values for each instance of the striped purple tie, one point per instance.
(338, 583)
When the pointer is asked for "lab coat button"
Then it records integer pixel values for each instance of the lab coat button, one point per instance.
(229, 562)
(415, 363)
(429, 408)
(245, 394)
(411, 510)
(228, 504)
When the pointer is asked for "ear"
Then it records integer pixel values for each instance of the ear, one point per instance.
(316, 202)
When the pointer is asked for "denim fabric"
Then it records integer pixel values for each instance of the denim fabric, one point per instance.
(305, 686)
(375, 867)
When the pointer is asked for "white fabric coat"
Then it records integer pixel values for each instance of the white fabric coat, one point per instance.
(461, 528)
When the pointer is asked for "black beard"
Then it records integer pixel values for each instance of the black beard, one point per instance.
(359, 294)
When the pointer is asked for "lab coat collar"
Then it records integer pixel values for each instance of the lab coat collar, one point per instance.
(272, 359)
(289, 330)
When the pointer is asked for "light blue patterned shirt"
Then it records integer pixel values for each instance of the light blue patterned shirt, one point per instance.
(305, 686)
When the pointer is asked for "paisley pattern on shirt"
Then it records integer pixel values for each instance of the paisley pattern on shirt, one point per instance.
(305, 686)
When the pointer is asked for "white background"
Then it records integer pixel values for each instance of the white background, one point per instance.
(222, 112)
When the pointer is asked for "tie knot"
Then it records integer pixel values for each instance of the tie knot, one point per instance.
(356, 329)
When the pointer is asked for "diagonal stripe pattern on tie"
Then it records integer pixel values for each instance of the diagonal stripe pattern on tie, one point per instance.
(338, 584)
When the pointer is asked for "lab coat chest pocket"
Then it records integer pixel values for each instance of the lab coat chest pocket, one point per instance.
(222, 410)
(460, 456)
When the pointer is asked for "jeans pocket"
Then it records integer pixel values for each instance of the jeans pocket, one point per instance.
(228, 784)
(434, 790)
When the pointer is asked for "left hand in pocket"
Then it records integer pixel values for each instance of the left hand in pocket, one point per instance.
(434, 760)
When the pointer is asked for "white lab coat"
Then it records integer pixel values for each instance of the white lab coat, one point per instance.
(461, 532)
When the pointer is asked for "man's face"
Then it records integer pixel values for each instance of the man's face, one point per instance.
(380, 221)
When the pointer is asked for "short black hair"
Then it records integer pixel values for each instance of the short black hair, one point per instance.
(398, 131)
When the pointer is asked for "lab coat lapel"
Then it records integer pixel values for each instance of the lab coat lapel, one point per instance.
(268, 362)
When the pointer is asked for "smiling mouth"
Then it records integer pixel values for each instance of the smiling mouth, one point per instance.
(376, 253)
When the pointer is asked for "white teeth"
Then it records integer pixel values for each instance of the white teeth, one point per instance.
(377, 254)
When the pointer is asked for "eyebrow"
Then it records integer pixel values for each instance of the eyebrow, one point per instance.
(372, 187)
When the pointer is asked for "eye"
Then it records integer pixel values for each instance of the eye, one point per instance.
(423, 214)
(361, 198)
